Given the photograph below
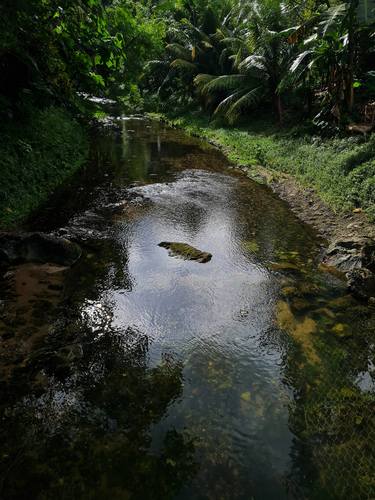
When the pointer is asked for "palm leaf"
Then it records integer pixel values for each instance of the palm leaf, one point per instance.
(203, 79)
(254, 63)
(245, 102)
(225, 104)
(183, 64)
(299, 60)
(332, 16)
(179, 51)
(224, 82)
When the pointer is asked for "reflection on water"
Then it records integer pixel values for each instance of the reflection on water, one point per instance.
(138, 375)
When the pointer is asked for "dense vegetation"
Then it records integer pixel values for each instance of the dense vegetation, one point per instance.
(309, 62)
(306, 63)
(232, 57)
(52, 54)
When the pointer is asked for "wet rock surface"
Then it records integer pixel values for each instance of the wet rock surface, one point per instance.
(186, 252)
(21, 248)
(354, 256)
(348, 254)
(350, 236)
(361, 283)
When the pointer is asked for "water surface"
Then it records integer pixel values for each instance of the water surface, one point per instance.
(135, 374)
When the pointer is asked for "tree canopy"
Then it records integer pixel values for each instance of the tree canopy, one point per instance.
(228, 57)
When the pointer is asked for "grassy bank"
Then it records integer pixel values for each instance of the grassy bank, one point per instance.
(341, 170)
(36, 156)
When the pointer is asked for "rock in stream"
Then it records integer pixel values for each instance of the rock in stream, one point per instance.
(185, 251)
(21, 248)
(356, 258)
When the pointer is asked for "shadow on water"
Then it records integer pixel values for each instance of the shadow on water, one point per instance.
(136, 374)
(77, 409)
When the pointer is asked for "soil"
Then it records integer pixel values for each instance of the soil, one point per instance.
(307, 205)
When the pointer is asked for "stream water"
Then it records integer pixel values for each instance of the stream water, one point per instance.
(138, 375)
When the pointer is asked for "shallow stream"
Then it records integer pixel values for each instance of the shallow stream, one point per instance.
(139, 375)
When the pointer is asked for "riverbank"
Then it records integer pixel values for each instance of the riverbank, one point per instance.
(328, 183)
(37, 154)
(311, 160)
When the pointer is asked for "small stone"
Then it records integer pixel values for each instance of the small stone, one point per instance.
(246, 396)
(341, 330)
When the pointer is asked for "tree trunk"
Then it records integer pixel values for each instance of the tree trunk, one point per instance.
(349, 89)
(278, 107)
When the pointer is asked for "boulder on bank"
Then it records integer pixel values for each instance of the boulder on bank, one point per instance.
(185, 251)
(351, 253)
(356, 258)
(19, 248)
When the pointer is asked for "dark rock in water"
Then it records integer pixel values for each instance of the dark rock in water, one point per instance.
(186, 251)
(19, 248)
(352, 253)
(361, 283)
(356, 258)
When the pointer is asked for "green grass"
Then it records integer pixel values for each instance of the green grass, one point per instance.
(36, 156)
(341, 170)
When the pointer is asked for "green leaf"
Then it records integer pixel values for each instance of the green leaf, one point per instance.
(98, 79)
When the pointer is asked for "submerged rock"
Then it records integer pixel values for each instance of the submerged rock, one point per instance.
(20, 248)
(185, 251)
(361, 283)
(284, 266)
(302, 330)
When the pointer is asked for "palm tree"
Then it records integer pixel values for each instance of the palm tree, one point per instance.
(194, 47)
(258, 67)
(330, 54)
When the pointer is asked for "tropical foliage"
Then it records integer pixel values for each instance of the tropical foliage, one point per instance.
(315, 56)
(229, 57)
(53, 49)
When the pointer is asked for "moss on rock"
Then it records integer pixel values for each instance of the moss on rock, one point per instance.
(185, 251)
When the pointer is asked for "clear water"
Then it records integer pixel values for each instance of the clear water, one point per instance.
(140, 375)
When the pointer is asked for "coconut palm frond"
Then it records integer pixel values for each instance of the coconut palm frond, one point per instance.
(224, 82)
(203, 79)
(247, 101)
(183, 64)
(179, 51)
(254, 63)
(226, 104)
(332, 16)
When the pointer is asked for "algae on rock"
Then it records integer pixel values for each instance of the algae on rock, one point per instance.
(185, 251)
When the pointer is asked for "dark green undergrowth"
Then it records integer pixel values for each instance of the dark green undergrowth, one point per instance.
(341, 170)
(36, 156)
